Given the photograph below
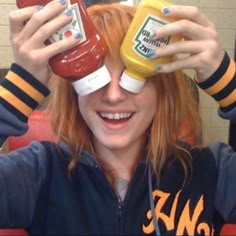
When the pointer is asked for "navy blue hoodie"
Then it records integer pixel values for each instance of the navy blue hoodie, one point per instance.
(37, 194)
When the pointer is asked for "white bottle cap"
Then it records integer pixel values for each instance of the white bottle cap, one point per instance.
(129, 83)
(92, 82)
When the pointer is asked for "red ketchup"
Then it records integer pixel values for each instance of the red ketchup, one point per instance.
(83, 64)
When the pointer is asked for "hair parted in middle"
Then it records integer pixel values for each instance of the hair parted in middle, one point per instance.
(176, 103)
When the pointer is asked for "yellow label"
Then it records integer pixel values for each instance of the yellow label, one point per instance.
(143, 42)
(138, 41)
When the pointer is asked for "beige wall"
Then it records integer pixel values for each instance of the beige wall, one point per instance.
(223, 15)
(5, 52)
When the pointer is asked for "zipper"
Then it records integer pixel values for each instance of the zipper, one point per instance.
(120, 206)
(119, 214)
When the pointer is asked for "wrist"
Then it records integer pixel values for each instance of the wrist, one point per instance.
(22, 93)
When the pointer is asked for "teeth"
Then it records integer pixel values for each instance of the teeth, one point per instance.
(115, 116)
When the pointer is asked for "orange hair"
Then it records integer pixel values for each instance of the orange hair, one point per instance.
(174, 99)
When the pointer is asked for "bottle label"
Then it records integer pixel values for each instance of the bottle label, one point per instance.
(73, 28)
(143, 42)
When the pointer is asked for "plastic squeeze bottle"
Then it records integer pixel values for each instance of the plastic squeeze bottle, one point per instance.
(83, 64)
(138, 42)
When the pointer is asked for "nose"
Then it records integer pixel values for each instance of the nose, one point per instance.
(113, 93)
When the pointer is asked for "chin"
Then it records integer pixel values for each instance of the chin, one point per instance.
(115, 144)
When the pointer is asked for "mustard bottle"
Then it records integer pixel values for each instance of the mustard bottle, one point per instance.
(138, 43)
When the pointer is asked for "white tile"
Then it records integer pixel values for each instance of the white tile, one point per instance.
(4, 13)
(205, 116)
(206, 101)
(211, 14)
(227, 19)
(211, 135)
(209, 3)
(4, 36)
(217, 121)
(6, 53)
(227, 4)
(12, 2)
(230, 52)
(227, 38)
(190, 2)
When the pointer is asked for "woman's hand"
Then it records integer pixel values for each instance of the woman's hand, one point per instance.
(200, 44)
(30, 27)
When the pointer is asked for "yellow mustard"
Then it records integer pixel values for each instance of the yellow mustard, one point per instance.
(138, 43)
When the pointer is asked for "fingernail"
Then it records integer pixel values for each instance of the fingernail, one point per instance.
(68, 12)
(39, 7)
(78, 35)
(151, 53)
(166, 10)
(63, 2)
(158, 68)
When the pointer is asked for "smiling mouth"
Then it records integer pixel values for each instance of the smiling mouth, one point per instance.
(123, 116)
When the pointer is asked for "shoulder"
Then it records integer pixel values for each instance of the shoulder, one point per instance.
(225, 158)
(203, 163)
(201, 154)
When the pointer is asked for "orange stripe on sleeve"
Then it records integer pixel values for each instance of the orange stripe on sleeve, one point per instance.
(23, 85)
(228, 100)
(222, 83)
(15, 101)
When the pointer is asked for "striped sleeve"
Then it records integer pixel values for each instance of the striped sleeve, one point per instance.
(21, 93)
(222, 85)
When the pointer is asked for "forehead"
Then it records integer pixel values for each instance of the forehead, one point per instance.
(114, 63)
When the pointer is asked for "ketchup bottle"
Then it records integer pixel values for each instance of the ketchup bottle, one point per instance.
(83, 64)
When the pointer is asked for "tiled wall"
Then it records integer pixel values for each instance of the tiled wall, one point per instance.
(221, 12)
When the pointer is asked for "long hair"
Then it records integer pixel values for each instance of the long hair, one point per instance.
(174, 99)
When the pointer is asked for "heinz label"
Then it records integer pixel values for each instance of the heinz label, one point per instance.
(143, 42)
(75, 27)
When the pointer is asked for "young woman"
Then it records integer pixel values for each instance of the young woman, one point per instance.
(118, 166)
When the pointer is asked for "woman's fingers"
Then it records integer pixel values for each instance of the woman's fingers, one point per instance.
(201, 46)
(35, 60)
(18, 18)
(59, 46)
(187, 29)
(50, 28)
(183, 47)
(190, 23)
(205, 63)
(28, 41)
(42, 17)
(188, 12)
(192, 62)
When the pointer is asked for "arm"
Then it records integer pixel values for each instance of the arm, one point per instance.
(23, 172)
(225, 200)
(222, 87)
(20, 94)
(23, 89)
(215, 74)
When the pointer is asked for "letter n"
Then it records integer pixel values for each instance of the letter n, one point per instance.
(185, 222)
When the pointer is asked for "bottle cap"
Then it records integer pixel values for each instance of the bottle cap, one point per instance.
(92, 82)
(129, 83)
